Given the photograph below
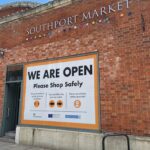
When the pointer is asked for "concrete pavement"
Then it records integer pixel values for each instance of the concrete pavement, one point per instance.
(12, 146)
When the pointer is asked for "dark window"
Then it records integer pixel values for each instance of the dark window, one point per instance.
(14, 73)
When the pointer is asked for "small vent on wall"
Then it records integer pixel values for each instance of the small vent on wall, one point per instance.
(142, 22)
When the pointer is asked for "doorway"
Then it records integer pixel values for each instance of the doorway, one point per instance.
(12, 98)
(12, 106)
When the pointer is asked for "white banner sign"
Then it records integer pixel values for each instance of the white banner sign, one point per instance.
(62, 93)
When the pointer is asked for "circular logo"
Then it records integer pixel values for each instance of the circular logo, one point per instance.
(36, 104)
(77, 103)
(59, 103)
(51, 103)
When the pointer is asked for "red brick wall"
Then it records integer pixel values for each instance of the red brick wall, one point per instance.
(124, 58)
(10, 10)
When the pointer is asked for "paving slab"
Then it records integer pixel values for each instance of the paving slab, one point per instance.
(12, 146)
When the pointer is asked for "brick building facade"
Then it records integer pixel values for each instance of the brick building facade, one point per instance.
(120, 33)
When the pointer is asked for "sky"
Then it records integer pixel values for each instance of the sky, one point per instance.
(3, 2)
